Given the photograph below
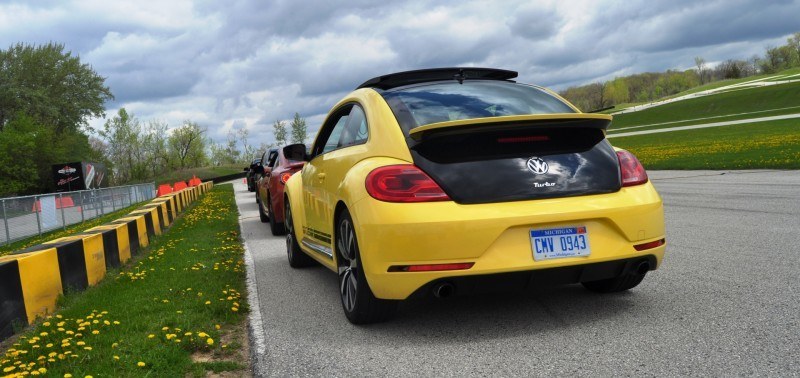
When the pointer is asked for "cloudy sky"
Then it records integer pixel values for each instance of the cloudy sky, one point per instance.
(238, 64)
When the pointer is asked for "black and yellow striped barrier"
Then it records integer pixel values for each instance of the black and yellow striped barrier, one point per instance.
(31, 280)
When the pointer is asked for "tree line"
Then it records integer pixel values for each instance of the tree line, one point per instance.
(651, 86)
(47, 96)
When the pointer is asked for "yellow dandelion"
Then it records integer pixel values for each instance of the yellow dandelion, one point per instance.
(140, 364)
(95, 332)
(150, 336)
(216, 326)
(210, 341)
(116, 358)
(208, 302)
(234, 309)
(46, 324)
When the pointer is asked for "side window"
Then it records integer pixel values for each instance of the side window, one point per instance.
(331, 132)
(273, 159)
(356, 131)
(333, 140)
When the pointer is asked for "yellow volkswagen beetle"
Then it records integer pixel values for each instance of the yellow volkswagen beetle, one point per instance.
(460, 180)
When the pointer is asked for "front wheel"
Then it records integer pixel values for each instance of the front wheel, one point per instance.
(261, 214)
(276, 227)
(297, 259)
(359, 304)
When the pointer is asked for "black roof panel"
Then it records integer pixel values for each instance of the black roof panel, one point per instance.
(400, 79)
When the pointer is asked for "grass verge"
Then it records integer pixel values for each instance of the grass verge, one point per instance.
(74, 229)
(772, 145)
(735, 102)
(176, 310)
(711, 119)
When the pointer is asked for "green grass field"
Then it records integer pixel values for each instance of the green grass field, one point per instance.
(710, 119)
(177, 310)
(774, 145)
(735, 102)
(722, 83)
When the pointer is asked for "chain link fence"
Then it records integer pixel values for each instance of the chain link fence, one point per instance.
(33, 215)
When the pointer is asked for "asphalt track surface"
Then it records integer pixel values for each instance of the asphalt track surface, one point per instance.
(726, 302)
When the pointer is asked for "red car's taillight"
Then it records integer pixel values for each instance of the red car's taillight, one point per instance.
(403, 183)
(632, 171)
(285, 177)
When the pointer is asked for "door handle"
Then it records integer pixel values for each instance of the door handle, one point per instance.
(321, 176)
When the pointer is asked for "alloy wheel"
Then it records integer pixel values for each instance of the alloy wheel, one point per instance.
(348, 267)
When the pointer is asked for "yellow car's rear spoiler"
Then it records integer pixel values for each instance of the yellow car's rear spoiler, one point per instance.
(600, 121)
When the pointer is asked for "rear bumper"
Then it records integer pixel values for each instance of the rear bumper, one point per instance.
(495, 237)
(532, 279)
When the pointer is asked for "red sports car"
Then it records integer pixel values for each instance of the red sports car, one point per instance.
(277, 170)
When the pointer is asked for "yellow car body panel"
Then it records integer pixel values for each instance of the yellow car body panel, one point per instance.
(496, 236)
(342, 183)
(493, 236)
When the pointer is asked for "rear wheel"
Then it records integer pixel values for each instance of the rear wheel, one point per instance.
(359, 304)
(276, 227)
(616, 284)
(261, 215)
(297, 259)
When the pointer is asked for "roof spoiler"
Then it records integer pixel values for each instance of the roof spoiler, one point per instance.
(400, 79)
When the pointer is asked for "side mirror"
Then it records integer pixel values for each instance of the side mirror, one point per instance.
(267, 170)
(296, 152)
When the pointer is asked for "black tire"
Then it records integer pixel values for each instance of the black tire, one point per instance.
(276, 227)
(359, 304)
(616, 284)
(297, 258)
(261, 215)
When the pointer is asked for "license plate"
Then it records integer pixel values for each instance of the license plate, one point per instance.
(554, 243)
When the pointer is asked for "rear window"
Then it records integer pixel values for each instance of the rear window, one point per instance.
(450, 101)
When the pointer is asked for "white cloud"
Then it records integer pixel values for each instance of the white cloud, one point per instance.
(247, 63)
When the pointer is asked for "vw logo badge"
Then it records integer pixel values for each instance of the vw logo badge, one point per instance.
(537, 165)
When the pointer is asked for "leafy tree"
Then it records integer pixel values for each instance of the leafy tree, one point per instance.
(187, 145)
(701, 68)
(298, 129)
(123, 133)
(51, 86)
(154, 144)
(794, 43)
(616, 91)
(243, 134)
(17, 164)
(279, 129)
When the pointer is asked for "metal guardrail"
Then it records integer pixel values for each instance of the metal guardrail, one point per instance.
(33, 215)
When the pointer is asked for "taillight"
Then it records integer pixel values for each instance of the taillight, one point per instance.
(403, 183)
(285, 177)
(631, 169)
(523, 139)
